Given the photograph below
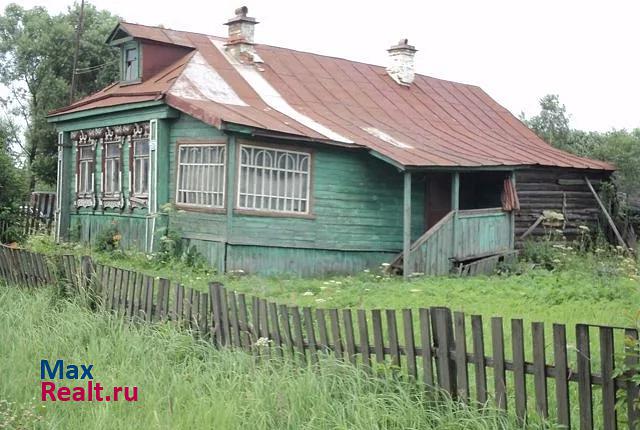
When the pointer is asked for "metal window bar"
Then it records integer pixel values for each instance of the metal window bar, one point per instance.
(201, 175)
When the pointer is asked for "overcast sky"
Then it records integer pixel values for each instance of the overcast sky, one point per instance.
(586, 51)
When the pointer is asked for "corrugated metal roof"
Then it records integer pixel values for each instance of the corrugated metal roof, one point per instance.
(431, 123)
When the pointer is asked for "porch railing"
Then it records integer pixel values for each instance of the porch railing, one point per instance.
(461, 236)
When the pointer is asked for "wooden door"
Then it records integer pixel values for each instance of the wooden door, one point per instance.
(438, 197)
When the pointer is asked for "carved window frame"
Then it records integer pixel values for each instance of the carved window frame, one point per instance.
(139, 134)
(112, 198)
(85, 140)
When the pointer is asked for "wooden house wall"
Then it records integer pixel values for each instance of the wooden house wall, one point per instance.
(543, 189)
(356, 221)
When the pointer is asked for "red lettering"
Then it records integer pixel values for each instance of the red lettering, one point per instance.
(78, 394)
(116, 391)
(98, 389)
(64, 394)
(134, 397)
(48, 388)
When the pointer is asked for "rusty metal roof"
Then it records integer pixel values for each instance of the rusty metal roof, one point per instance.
(431, 123)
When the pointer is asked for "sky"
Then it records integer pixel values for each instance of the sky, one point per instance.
(585, 51)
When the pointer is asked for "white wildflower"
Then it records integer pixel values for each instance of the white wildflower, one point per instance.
(307, 293)
(583, 228)
(262, 341)
(415, 290)
(386, 264)
(320, 300)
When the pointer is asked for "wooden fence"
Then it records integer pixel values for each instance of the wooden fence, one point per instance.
(577, 389)
(35, 216)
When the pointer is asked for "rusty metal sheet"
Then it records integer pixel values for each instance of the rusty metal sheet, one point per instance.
(431, 123)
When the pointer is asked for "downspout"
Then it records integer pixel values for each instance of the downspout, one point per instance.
(406, 239)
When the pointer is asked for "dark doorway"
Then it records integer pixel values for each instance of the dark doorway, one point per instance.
(438, 201)
(480, 190)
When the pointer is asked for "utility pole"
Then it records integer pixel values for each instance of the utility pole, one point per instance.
(75, 53)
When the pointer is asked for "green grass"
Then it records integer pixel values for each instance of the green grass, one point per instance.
(186, 384)
(583, 288)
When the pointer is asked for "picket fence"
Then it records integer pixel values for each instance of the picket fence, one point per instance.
(435, 349)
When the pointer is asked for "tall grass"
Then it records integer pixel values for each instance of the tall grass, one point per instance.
(185, 383)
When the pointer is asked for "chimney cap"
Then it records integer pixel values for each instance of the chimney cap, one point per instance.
(241, 15)
(403, 44)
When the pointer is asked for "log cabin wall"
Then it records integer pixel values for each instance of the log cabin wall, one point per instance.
(560, 190)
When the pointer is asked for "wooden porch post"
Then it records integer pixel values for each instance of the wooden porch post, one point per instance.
(406, 243)
(63, 189)
(455, 207)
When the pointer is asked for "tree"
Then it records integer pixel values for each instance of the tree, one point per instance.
(36, 51)
(552, 123)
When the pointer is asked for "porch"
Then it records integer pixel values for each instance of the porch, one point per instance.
(455, 237)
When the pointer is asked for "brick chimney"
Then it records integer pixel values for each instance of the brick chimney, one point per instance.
(401, 62)
(240, 40)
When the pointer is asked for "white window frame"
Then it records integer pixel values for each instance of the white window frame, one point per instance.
(105, 167)
(268, 195)
(90, 172)
(211, 189)
(136, 176)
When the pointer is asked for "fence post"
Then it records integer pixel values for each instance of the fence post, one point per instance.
(442, 323)
(88, 281)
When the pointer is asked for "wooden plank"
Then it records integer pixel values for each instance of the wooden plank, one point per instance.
(583, 361)
(392, 335)
(442, 322)
(311, 335)
(335, 333)
(264, 322)
(255, 318)
(409, 344)
(499, 371)
(194, 317)
(275, 329)
(298, 334)
(124, 294)
(519, 377)
(363, 332)
(607, 358)
(187, 305)
(425, 347)
(632, 360)
(243, 319)
(461, 356)
(478, 359)
(378, 342)
(539, 369)
(115, 300)
(233, 317)
(204, 312)
(224, 306)
(286, 330)
(178, 305)
(561, 370)
(216, 315)
(532, 227)
(149, 287)
(606, 214)
(322, 330)
(349, 337)
(163, 299)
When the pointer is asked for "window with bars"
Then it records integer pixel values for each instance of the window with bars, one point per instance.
(201, 175)
(140, 167)
(273, 180)
(111, 155)
(86, 155)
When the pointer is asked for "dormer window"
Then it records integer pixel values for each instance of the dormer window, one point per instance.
(130, 62)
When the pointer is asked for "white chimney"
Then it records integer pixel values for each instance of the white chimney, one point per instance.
(240, 40)
(401, 62)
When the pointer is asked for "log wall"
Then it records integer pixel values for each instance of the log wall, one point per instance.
(560, 190)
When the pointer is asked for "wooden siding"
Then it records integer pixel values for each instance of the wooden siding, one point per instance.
(481, 233)
(356, 206)
(543, 188)
(87, 227)
(301, 262)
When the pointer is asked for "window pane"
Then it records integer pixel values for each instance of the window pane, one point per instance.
(273, 180)
(201, 175)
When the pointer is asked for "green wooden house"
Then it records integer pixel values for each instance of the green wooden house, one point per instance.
(280, 161)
